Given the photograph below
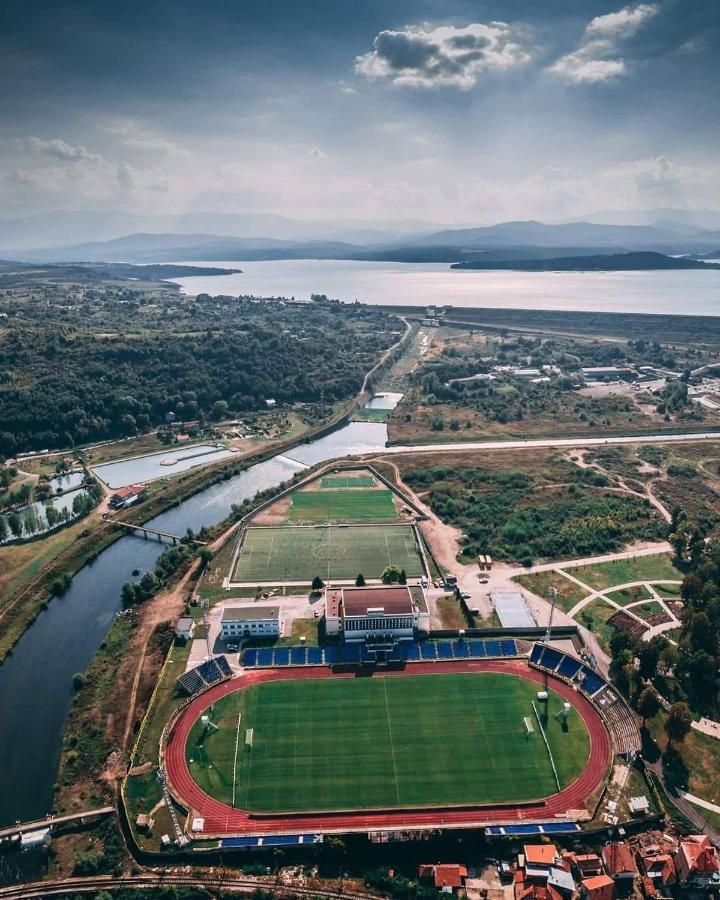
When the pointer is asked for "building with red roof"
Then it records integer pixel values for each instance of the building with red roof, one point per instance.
(619, 862)
(447, 876)
(696, 862)
(598, 887)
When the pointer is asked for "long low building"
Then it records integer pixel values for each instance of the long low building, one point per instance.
(392, 611)
(251, 621)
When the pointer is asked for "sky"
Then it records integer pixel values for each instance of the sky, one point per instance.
(448, 111)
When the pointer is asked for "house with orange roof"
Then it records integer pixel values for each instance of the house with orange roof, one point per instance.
(696, 862)
(447, 876)
(598, 887)
(619, 862)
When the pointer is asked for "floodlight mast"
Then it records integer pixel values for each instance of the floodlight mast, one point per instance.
(552, 597)
(205, 606)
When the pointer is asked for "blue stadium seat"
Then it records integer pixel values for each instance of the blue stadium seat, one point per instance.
(298, 655)
(478, 649)
(282, 656)
(314, 656)
(281, 840)
(592, 682)
(521, 829)
(494, 830)
(493, 648)
(536, 653)
(250, 657)
(428, 650)
(240, 842)
(508, 648)
(264, 657)
(224, 666)
(412, 652)
(462, 650)
(550, 658)
(445, 650)
(330, 655)
(559, 827)
(569, 667)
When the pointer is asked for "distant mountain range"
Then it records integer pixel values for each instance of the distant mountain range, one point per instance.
(521, 240)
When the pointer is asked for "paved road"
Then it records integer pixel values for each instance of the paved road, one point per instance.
(578, 441)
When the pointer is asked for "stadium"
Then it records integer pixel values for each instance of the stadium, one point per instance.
(500, 734)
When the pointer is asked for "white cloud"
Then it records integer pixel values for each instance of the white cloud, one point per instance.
(624, 23)
(599, 57)
(444, 55)
(59, 149)
(135, 136)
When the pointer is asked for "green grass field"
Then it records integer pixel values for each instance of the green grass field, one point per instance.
(655, 567)
(342, 506)
(287, 553)
(347, 481)
(384, 742)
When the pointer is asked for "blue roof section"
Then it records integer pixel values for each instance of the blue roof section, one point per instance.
(270, 840)
(569, 667)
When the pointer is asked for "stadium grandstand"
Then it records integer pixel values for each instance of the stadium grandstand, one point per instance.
(210, 672)
(402, 652)
(615, 712)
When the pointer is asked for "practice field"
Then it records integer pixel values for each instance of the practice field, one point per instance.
(347, 481)
(342, 506)
(295, 553)
(384, 742)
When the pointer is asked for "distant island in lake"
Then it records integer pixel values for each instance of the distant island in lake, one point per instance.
(615, 262)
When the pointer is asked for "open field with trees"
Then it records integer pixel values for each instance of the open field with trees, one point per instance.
(526, 508)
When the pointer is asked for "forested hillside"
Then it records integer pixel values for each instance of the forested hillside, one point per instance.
(84, 365)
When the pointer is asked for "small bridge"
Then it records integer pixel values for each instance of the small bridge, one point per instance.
(156, 532)
(50, 821)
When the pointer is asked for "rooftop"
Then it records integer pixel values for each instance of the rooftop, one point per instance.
(394, 599)
(245, 613)
(619, 859)
(512, 609)
(599, 887)
(540, 854)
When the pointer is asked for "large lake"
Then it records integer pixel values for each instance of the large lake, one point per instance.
(688, 292)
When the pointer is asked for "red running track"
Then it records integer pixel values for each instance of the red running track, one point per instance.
(223, 820)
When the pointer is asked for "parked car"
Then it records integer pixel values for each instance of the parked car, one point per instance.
(465, 595)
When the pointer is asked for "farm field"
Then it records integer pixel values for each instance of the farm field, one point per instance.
(294, 553)
(342, 506)
(352, 744)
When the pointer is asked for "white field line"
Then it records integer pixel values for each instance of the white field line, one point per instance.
(547, 746)
(237, 741)
(392, 743)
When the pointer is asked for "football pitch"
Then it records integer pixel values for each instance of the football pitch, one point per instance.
(347, 481)
(342, 506)
(384, 742)
(295, 553)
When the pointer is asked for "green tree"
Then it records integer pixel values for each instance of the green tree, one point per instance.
(317, 583)
(219, 410)
(677, 723)
(648, 704)
(360, 580)
(391, 575)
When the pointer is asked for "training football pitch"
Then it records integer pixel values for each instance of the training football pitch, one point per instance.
(295, 553)
(347, 481)
(384, 742)
(342, 506)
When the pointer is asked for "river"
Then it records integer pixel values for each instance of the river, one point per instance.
(691, 292)
(36, 679)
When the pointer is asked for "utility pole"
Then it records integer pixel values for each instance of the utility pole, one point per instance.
(552, 597)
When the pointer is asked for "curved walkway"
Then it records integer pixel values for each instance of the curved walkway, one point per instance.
(222, 819)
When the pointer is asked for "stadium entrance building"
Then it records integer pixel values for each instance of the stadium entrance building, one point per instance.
(389, 613)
